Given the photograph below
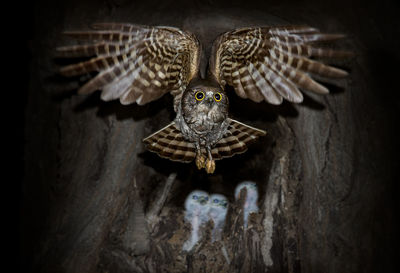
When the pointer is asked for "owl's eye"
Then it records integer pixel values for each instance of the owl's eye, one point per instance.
(215, 200)
(195, 197)
(217, 96)
(199, 95)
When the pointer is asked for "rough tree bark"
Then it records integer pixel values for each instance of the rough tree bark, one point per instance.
(96, 201)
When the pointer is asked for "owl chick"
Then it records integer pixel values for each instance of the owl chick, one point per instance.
(139, 64)
(250, 203)
(196, 213)
(218, 209)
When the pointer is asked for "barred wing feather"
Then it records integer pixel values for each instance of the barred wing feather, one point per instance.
(273, 63)
(134, 63)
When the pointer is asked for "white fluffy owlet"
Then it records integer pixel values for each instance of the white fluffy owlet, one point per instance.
(218, 209)
(139, 64)
(196, 213)
(250, 204)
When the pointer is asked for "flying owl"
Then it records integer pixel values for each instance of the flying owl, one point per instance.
(218, 208)
(139, 64)
(196, 213)
(250, 203)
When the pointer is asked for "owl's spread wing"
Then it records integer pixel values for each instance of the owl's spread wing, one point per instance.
(272, 63)
(135, 63)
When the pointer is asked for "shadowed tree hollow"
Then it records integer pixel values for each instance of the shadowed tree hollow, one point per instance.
(94, 200)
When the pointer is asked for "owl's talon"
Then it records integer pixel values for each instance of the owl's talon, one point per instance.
(210, 166)
(200, 161)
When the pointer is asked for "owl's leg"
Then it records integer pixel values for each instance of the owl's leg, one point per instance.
(200, 159)
(210, 162)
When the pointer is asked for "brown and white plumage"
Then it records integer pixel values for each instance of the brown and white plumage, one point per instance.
(139, 64)
(135, 63)
(272, 63)
(170, 143)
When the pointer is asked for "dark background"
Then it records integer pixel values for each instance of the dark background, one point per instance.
(373, 30)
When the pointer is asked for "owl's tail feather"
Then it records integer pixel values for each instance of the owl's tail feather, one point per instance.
(169, 143)
(237, 140)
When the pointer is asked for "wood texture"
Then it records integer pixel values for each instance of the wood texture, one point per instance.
(95, 201)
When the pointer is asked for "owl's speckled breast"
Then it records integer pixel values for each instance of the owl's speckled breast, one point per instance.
(207, 121)
(206, 128)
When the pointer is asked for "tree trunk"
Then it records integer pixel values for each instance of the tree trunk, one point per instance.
(96, 201)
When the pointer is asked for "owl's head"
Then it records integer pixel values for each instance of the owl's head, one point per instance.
(203, 99)
(252, 191)
(197, 197)
(218, 200)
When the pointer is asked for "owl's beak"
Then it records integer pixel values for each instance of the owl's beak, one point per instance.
(202, 201)
(209, 101)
